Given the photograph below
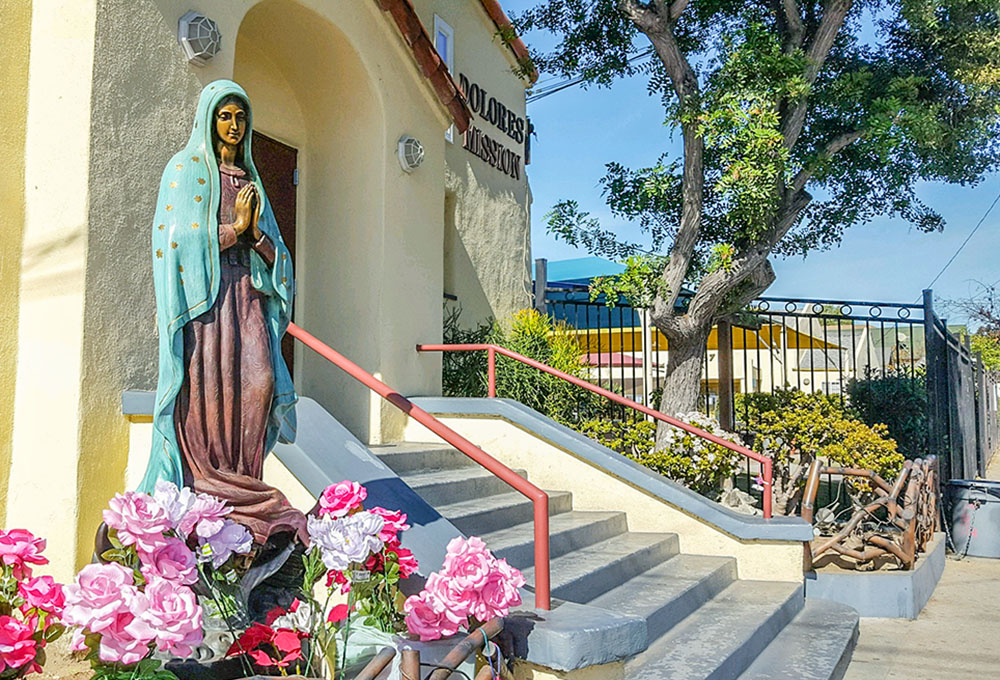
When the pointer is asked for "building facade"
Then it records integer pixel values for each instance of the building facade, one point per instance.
(98, 94)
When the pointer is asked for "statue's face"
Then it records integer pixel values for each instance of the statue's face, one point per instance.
(231, 123)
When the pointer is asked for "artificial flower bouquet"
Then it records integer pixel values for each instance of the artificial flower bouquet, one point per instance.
(30, 606)
(471, 588)
(355, 553)
(141, 598)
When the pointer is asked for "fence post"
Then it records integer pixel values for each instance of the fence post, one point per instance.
(724, 334)
(935, 385)
(982, 433)
(541, 282)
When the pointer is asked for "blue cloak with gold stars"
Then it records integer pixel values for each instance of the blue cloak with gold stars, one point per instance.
(186, 278)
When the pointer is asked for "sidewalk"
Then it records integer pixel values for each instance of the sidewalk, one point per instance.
(957, 636)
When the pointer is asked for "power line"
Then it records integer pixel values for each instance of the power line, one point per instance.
(967, 238)
(548, 90)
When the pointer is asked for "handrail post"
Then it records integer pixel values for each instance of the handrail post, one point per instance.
(491, 372)
(767, 494)
(542, 581)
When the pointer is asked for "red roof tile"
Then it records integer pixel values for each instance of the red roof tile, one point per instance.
(433, 68)
(516, 45)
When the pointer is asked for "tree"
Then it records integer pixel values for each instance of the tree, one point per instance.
(775, 101)
(982, 308)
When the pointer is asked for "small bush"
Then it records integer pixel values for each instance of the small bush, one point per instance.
(464, 373)
(898, 401)
(535, 336)
(694, 462)
(794, 428)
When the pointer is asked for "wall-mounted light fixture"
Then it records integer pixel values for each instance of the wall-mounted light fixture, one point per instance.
(199, 36)
(410, 152)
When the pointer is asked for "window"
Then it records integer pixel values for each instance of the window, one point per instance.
(444, 42)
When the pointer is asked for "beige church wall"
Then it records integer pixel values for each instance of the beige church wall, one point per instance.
(488, 256)
(13, 129)
(42, 493)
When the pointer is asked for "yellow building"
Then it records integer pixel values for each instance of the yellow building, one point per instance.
(98, 94)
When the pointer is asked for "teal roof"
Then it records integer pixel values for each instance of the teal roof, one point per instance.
(581, 270)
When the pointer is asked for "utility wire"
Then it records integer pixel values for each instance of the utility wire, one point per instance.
(548, 90)
(967, 238)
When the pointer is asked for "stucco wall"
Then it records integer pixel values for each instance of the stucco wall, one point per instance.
(43, 492)
(13, 124)
(487, 240)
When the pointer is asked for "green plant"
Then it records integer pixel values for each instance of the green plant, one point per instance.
(535, 336)
(694, 462)
(463, 374)
(538, 337)
(898, 400)
(795, 428)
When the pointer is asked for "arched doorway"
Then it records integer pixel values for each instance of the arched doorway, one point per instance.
(311, 91)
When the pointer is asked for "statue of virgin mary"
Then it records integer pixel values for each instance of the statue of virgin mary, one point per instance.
(224, 290)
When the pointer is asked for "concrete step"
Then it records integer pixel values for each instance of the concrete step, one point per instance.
(666, 594)
(722, 638)
(567, 532)
(409, 457)
(479, 516)
(816, 645)
(584, 574)
(441, 487)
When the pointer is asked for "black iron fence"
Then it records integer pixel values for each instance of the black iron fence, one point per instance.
(832, 347)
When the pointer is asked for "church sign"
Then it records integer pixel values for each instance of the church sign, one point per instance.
(479, 143)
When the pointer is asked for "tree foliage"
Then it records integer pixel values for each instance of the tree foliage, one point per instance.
(798, 119)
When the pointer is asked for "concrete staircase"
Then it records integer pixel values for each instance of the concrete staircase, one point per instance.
(702, 621)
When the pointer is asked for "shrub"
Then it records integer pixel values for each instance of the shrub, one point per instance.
(694, 462)
(794, 428)
(464, 373)
(898, 401)
(535, 336)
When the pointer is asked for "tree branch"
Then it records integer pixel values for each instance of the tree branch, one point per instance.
(834, 15)
(835, 146)
(677, 9)
(796, 29)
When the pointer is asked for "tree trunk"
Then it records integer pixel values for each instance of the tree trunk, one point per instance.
(682, 383)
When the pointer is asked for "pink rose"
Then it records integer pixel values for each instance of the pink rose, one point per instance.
(138, 519)
(42, 592)
(468, 563)
(499, 593)
(172, 561)
(121, 642)
(394, 522)
(430, 617)
(169, 614)
(339, 499)
(100, 594)
(17, 647)
(207, 514)
(407, 562)
(19, 548)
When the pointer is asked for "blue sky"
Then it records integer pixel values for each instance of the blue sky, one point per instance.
(579, 130)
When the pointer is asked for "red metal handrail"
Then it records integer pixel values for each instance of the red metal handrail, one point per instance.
(492, 350)
(539, 499)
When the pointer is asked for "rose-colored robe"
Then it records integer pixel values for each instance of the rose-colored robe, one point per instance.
(221, 411)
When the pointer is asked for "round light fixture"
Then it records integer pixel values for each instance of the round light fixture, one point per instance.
(410, 152)
(199, 36)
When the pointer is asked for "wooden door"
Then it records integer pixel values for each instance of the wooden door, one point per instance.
(277, 163)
